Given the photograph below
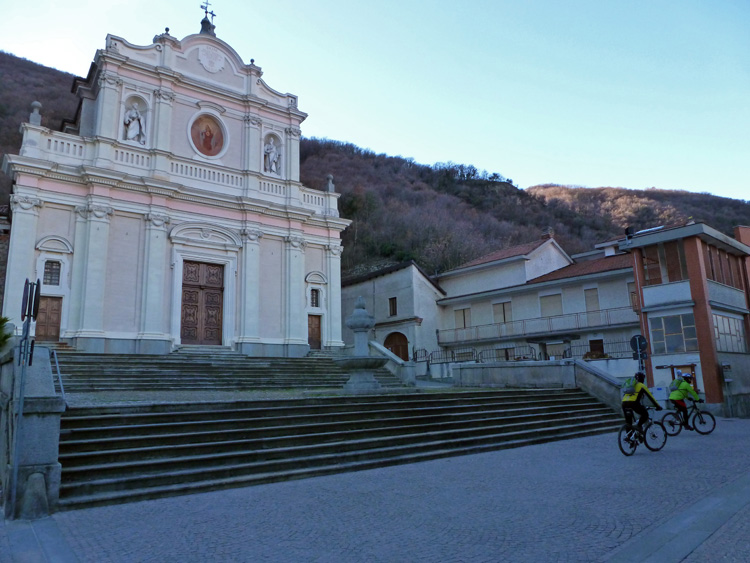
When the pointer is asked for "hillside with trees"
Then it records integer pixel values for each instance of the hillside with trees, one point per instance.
(440, 216)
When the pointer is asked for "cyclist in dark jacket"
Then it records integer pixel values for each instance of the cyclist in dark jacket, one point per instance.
(632, 402)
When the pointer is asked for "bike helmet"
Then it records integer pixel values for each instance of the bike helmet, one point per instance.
(687, 376)
(640, 377)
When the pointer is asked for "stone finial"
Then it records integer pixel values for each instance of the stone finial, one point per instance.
(329, 183)
(360, 320)
(35, 118)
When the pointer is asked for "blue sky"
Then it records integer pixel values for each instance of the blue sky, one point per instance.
(632, 94)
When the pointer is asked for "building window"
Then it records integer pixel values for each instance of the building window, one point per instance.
(392, 307)
(502, 312)
(730, 334)
(463, 318)
(551, 305)
(596, 348)
(315, 298)
(51, 273)
(673, 334)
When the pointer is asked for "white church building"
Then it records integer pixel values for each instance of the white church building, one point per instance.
(170, 211)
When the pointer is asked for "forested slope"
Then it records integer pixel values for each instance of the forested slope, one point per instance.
(441, 215)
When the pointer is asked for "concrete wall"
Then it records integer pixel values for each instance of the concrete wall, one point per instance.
(737, 392)
(548, 374)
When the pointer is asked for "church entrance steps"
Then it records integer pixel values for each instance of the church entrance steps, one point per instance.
(126, 453)
(196, 370)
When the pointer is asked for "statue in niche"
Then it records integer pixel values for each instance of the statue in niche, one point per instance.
(271, 157)
(135, 129)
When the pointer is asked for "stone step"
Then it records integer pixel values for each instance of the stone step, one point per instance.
(123, 453)
(112, 491)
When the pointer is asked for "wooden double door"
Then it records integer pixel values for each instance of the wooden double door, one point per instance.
(48, 319)
(202, 303)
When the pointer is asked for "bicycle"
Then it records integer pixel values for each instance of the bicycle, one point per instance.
(703, 421)
(654, 436)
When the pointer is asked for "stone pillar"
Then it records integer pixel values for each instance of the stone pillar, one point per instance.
(38, 471)
(21, 252)
(249, 337)
(333, 265)
(153, 339)
(252, 144)
(90, 334)
(295, 320)
(161, 124)
(291, 154)
(108, 115)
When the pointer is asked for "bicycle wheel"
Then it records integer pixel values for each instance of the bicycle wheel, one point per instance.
(672, 423)
(703, 422)
(656, 436)
(627, 440)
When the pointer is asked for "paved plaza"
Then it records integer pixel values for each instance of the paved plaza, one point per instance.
(576, 500)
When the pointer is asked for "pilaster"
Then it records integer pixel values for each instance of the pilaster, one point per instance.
(294, 306)
(21, 254)
(291, 156)
(155, 264)
(250, 291)
(94, 272)
(333, 266)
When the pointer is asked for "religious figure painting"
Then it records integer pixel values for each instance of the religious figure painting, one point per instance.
(207, 135)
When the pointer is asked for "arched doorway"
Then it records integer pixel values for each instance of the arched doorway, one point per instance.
(398, 344)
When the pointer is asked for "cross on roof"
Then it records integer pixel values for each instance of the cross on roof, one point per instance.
(204, 7)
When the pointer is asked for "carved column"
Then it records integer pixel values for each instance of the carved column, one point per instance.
(333, 265)
(107, 115)
(250, 291)
(161, 124)
(294, 306)
(291, 154)
(253, 159)
(155, 264)
(92, 284)
(21, 254)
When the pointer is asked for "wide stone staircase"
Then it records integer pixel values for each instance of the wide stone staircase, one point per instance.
(114, 454)
(194, 369)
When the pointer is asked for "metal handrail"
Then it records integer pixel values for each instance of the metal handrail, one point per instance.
(539, 325)
(53, 354)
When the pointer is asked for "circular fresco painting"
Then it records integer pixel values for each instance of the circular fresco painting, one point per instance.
(207, 135)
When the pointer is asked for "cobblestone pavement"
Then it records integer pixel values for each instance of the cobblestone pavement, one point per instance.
(576, 500)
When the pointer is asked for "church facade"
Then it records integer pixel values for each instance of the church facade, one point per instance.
(170, 210)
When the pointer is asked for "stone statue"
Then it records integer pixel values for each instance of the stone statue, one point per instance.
(134, 126)
(271, 158)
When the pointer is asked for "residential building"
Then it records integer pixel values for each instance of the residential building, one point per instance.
(692, 284)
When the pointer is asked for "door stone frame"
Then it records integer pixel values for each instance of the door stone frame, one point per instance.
(199, 242)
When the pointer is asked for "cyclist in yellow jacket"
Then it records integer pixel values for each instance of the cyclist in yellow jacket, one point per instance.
(632, 402)
(679, 395)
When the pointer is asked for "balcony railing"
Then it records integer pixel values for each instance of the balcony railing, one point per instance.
(539, 326)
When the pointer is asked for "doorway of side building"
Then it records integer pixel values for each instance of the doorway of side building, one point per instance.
(313, 331)
(398, 344)
(202, 303)
(48, 319)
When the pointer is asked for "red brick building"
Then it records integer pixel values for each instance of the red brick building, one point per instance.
(694, 303)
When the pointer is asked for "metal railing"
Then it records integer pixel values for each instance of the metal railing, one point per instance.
(53, 356)
(517, 353)
(616, 349)
(541, 325)
(449, 356)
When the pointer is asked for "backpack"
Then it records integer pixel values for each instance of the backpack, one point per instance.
(628, 387)
(675, 385)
